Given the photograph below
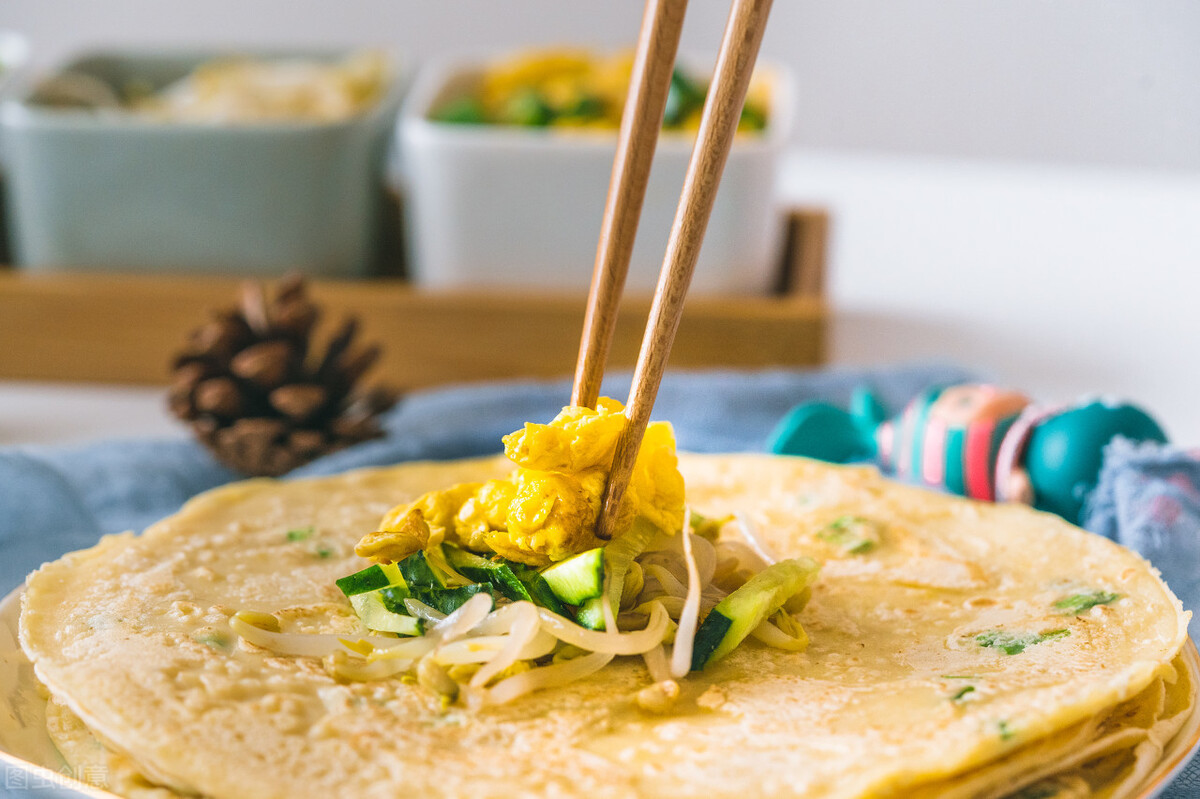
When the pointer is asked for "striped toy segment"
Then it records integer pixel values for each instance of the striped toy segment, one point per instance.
(961, 405)
(904, 447)
(1012, 448)
(933, 452)
(885, 442)
(916, 434)
(955, 477)
(960, 464)
(1002, 428)
(977, 460)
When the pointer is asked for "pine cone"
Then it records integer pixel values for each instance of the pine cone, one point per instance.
(256, 396)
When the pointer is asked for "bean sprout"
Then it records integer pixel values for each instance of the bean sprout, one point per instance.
(681, 652)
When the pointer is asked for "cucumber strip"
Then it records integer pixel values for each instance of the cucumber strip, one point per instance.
(728, 624)
(393, 599)
(372, 578)
(591, 614)
(578, 578)
(448, 600)
(539, 589)
(375, 616)
(620, 553)
(418, 573)
(514, 581)
(498, 574)
(446, 574)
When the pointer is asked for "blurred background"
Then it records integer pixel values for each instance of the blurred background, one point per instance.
(1011, 185)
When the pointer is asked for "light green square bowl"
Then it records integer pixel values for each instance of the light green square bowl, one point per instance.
(92, 190)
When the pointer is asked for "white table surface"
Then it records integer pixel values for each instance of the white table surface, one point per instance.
(71, 413)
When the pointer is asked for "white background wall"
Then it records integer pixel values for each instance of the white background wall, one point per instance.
(1095, 81)
(1016, 183)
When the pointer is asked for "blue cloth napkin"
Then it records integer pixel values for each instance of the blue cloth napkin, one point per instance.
(54, 500)
(1148, 499)
(57, 499)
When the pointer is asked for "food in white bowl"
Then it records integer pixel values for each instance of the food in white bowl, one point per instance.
(512, 205)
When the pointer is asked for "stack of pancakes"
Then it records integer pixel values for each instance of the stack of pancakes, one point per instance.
(949, 660)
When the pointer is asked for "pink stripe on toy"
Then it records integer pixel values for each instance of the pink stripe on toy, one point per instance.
(933, 453)
(905, 440)
(885, 440)
(1011, 455)
(977, 459)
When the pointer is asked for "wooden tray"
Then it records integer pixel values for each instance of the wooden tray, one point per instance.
(124, 328)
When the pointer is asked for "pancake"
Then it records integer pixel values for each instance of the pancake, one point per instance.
(133, 636)
(91, 762)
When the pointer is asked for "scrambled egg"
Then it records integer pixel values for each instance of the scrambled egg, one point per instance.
(547, 510)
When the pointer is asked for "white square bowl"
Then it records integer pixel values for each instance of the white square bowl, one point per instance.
(503, 206)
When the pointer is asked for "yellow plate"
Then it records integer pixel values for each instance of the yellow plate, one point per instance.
(29, 760)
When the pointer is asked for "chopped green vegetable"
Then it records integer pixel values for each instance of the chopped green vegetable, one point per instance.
(527, 107)
(448, 600)
(393, 598)
(728, 624)
(752, 119)
(962, 693)
(706, 527)
(419, 573)
(462, 111)
(372, 578)
(1006, 732)
(497, 573)
(853, 534)
(300, 534)
(213, 639)
(578, 578)
(324, 551)
(683, 98)
(376, 613)
(539, 589)
(1011, 643)
(585, 106)
(591, 614)
(1085, 600)
(446, 577)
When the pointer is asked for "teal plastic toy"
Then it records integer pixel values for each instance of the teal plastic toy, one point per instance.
(975, 440)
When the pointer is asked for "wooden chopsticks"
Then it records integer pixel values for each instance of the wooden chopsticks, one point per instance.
(718, 124)
(641, 121)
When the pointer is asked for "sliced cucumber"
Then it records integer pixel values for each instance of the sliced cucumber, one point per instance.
(375, 615)
(728, 624)
(578, 578)
(372, 578)
(419, 573)
(591, 614)
(448, 600)
(393, 598)
(444, 572)
(539, 589)
(496, 573)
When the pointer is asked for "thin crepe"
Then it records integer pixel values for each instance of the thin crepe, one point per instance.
(133, 637)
